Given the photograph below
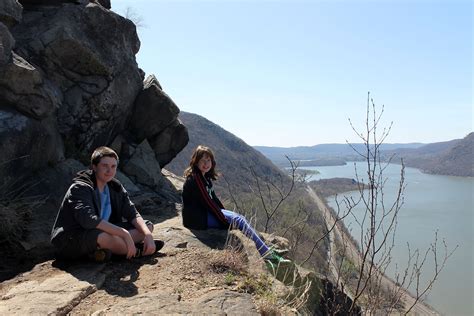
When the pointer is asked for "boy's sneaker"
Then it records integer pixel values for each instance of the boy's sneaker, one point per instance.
(158, 245)
(100, 255)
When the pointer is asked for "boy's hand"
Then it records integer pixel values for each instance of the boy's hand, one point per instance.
(148, 245)
(131, 249)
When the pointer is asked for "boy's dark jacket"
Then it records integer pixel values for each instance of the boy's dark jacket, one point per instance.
(197, 202)
(80, 208)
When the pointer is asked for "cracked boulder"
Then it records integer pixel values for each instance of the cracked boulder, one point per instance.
(26, 145)
(155, 118)
(28, 3)
(88, 53)
(23, 86)
(144, 168)
(6, 44)
(105, 3)
(169, 142)
(10, 12)
(154, 110)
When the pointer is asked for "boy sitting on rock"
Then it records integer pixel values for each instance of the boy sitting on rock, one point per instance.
(97, 218)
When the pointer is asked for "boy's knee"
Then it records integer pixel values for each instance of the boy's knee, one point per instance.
(104, 240)
(150, 227)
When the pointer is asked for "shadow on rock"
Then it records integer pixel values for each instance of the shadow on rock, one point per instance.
(116, 277)
(82, 270)
(153, 207)
(122, 275)
(213, 238)
(15, 260)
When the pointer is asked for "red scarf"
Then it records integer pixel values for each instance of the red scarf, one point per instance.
(213, 205)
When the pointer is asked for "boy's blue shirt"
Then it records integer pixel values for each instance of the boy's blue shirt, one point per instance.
(105, 206)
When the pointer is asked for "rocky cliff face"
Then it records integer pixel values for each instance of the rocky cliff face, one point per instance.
(69, 82)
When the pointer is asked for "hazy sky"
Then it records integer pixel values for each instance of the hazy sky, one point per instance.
(291, 73)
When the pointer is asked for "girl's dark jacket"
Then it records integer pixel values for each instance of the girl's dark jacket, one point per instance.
(80, 209)
(197, 202)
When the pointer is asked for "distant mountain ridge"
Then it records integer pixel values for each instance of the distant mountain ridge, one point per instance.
(324, 154)
(454, 157)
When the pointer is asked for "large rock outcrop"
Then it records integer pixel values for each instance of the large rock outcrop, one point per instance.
(88, 53)
(69, 82)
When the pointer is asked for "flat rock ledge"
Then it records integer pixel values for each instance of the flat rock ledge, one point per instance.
(48, 290)
(221, 302)
(82, 288)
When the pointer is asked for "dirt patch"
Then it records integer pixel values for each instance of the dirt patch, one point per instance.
(187, 274)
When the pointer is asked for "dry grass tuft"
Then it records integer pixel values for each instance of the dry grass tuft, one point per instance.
(261, 288)
(12, 223)
(15, 212)
(256, 284)
(228, 261)
(269, 307)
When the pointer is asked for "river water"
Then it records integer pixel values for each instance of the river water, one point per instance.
(431, 203)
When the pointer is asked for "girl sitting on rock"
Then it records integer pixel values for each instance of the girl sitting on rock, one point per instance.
(202, 209)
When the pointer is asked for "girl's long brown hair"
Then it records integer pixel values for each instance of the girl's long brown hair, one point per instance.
(198, 153)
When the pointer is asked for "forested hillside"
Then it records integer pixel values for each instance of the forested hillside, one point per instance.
(454, 158)
(234, 157)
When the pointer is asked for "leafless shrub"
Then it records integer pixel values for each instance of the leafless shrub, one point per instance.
(133, 16)
(365, 282)
(272, 195)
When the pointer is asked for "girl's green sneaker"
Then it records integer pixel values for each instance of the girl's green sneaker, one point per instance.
(274, 261)
(278, 251)
(274, 258)
(282, 269)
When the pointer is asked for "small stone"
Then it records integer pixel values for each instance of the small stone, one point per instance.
(182, 245)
